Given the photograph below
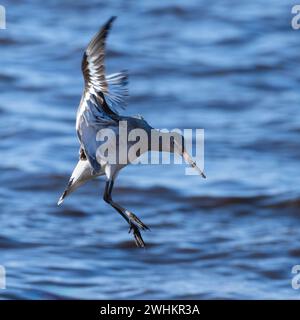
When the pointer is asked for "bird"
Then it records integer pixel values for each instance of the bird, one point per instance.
(103, 96)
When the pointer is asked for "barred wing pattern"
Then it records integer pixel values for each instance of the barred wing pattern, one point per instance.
(101, 98)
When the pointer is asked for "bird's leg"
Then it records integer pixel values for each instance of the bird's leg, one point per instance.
(134, 222)
(82, 155)
(128, 216)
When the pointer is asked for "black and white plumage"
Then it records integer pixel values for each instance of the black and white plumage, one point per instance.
(98, 109)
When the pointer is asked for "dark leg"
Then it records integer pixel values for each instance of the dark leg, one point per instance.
(134, 222)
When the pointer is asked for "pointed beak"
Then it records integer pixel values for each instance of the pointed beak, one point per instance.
(192, 163)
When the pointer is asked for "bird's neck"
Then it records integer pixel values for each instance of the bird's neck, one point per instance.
(160, 141)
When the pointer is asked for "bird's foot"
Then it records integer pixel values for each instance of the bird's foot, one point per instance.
(135, 226)
(134, 220)
(137, 236)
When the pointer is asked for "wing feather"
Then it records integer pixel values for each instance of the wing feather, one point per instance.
(102, 96)
(113, 87)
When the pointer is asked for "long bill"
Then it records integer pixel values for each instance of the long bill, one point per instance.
(192, 163)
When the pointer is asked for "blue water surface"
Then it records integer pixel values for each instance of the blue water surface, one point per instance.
(231, 67)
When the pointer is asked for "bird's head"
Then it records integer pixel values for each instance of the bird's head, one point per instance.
(177, 145)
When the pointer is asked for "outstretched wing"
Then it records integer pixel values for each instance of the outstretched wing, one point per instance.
(113, 87)
(101, 96)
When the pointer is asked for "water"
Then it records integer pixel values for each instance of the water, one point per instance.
(230, 67)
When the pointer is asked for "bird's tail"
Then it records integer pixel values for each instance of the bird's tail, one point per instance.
(81, 174)
(67, 191)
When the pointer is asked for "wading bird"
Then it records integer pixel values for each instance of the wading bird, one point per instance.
(97, 110)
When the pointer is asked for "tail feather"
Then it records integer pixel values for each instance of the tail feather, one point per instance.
(66, 192)
(80, 175)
